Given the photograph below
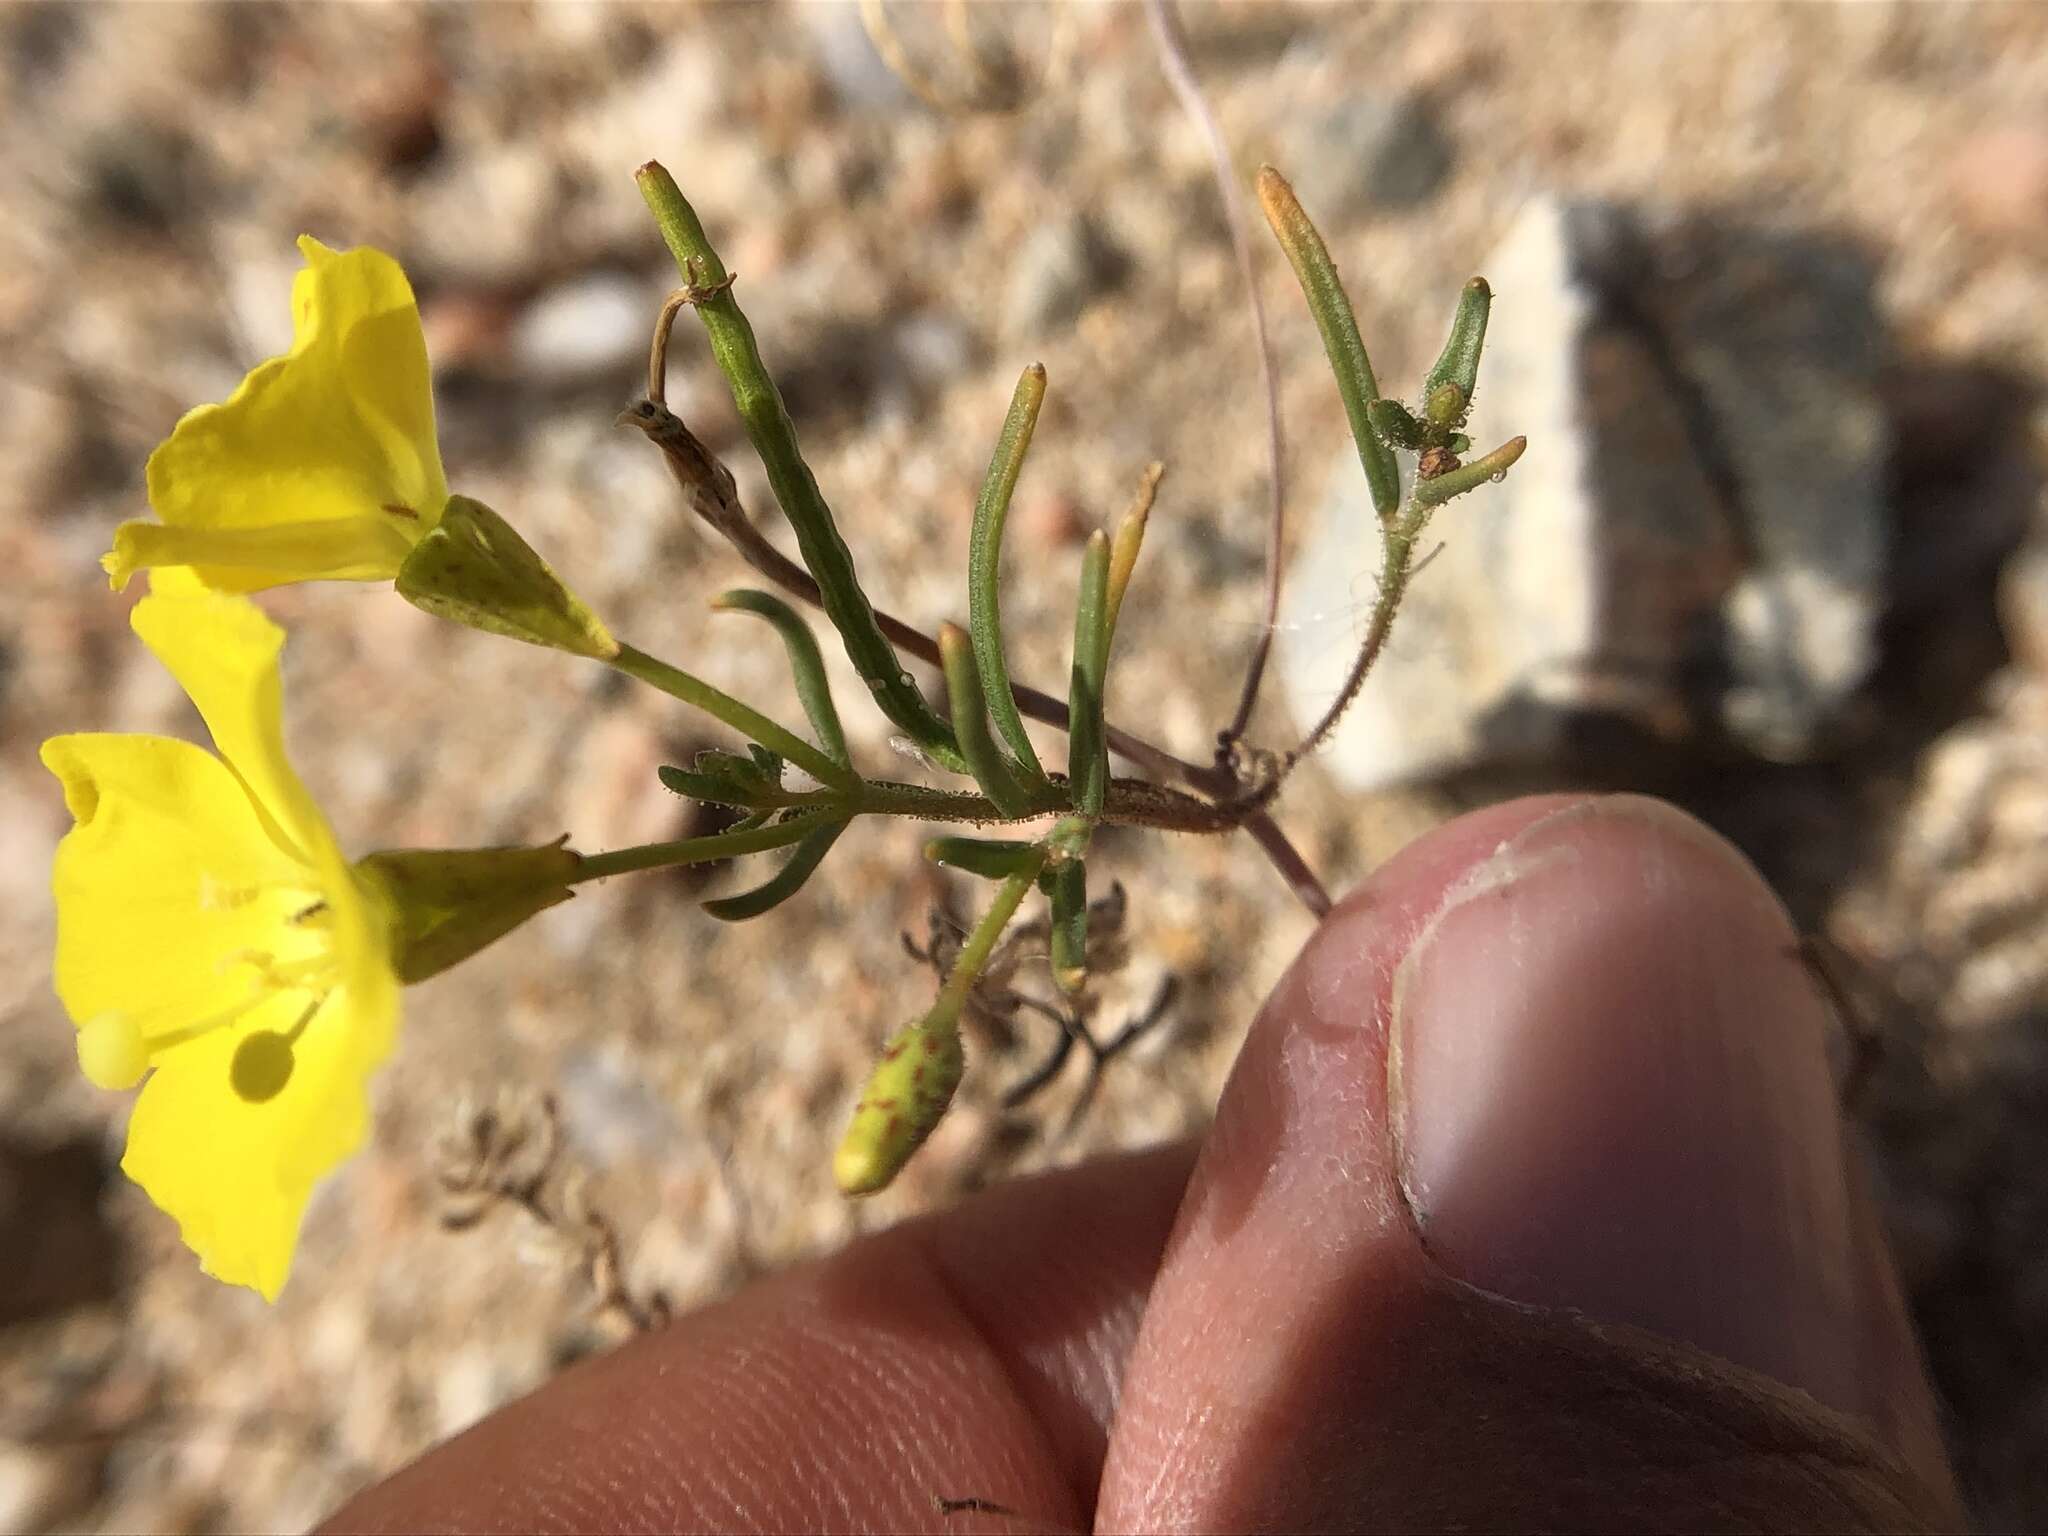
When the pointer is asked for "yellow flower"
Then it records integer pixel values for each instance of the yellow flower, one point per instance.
(323, 464)
(210, 934)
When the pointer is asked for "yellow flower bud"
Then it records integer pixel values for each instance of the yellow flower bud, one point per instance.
(906, 1094)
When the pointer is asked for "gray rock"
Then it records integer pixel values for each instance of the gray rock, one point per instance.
(1693, 545)
(592, 324)
(1061, 266)
(860, 76)
(1365, 154)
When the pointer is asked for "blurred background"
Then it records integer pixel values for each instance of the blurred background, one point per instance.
(1771, 292)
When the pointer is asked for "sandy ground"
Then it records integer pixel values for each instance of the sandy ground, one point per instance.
(896, 259)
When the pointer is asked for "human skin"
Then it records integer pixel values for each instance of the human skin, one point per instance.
(1527, 1206)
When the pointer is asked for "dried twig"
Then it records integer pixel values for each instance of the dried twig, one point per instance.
(509, 1153)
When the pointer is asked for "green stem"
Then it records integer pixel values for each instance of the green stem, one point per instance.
(981, 944)
(748, 721)
(694, 850)
(773, 435)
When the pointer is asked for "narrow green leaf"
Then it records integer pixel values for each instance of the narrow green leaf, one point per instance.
(970, 725)
(717, 789)
(812, 689)
(984, 563)
(784, 883)
(991, 858)
(745, 719)
(1066, 887)
(1320, 285)
(773, 435)
(1459, 363)
(1087, 753)
(1469, 477)
(1129, 538)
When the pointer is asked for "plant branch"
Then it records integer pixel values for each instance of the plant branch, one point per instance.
(773, 434)
(745, 719)
(709, 490)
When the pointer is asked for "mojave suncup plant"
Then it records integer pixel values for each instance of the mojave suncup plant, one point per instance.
(216, 947)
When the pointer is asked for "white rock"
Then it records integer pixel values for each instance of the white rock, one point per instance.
(1692, 545)
(596, 323)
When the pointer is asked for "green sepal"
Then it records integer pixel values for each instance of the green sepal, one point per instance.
(473, 568)
(446, 904)
(784, 883)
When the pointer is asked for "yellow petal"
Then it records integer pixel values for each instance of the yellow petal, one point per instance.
(223, 651)
(340, 429)
(250, 559)
(236, 1174)
(168, 875)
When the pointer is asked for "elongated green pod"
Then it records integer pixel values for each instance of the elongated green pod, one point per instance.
(991, 858)
(1066, 888)
(1459, 363)
(1436, 491)
(914, 1081)
(773, 435)
(984, 568)
(1327, 301)
(1087, 753)
(970, 724)
(784, 883)
(808, 667)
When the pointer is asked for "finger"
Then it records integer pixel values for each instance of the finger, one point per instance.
(1582, 1250)
(972, 1354)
